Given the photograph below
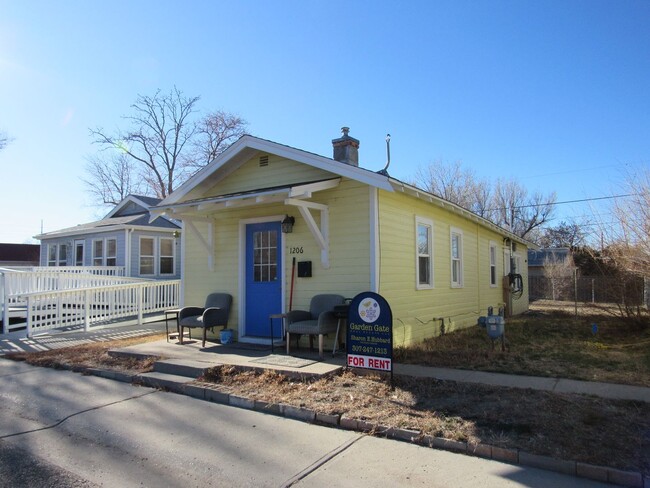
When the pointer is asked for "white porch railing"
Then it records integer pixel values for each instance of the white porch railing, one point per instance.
(97, 270)
(93, 306)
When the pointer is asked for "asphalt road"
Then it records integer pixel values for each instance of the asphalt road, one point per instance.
(64, 429)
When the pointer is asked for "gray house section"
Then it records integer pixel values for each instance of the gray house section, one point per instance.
(125, 237)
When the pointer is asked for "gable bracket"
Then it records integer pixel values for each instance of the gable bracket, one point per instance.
(320, 234)
(208, 244)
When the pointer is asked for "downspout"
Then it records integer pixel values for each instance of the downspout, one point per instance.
(127, 252)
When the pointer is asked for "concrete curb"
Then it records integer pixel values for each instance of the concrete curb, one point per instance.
(512, 456)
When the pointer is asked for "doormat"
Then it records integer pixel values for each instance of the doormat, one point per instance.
(287, 361)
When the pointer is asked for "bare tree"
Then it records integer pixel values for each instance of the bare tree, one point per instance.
(161, 127)
(629, 238)
(165, 143)
(559, 274)
(516, 210)
(506, 203)
(215, 133)
(565, 234)
(112, 177)
(456, 184)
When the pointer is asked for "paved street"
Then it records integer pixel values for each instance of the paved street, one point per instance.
(84, 431)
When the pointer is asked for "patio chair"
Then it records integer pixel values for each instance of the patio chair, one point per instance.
(320, 320)
(214, 314)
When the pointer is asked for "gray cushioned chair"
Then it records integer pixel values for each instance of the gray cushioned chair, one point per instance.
(319, 320)
(214, 314)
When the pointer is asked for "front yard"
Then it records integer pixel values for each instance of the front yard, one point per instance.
(543, 342)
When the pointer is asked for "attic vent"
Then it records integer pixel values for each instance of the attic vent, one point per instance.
(264, 161)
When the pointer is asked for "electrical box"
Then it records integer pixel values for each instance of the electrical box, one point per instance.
(304, 269)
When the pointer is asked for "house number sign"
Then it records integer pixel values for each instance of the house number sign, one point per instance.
(296, 250)
(369, 338)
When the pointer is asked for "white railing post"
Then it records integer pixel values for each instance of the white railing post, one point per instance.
(30, 302)
(87, 310)
(140, 293)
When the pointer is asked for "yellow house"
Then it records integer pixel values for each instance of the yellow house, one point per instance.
(439, 266)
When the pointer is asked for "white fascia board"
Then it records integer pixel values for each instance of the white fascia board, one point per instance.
(256, 144)
(103, 230)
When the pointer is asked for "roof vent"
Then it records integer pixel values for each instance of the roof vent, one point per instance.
(264, 161)
(346, 148)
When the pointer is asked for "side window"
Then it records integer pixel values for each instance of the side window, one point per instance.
(147, 258)
(493, 264)
(456, 258)
(51, 254)
(63, 255)
(98, 252)
(424, 253)
(111, 252)
(166, 264)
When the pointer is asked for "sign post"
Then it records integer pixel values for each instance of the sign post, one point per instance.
(369, 338)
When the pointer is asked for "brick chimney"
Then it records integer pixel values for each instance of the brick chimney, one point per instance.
(346, 148)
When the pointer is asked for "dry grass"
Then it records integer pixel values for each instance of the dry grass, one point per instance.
(547, 341)
(93, 355)
(596, 431)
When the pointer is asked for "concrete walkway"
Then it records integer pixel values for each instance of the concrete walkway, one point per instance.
(307, 364)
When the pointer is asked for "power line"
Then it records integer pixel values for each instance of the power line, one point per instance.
(593, 199)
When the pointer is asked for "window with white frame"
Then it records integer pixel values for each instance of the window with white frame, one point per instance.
(456, 258)
(424, 252)
(493, 264)
(98, 252)
(147, 256)
(111, 252)
(57, 254)
(79, 253)
(166, 256)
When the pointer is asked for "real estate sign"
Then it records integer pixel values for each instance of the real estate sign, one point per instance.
(369, 338)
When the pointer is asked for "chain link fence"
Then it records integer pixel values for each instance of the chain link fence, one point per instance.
(590, 289)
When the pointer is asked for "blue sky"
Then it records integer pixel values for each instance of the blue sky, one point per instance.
(553, 93)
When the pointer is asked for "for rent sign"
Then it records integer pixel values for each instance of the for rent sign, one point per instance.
(370, 333)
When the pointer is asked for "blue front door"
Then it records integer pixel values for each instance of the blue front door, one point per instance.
(263, 277)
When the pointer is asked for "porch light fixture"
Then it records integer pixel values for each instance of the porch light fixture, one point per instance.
(287, 224)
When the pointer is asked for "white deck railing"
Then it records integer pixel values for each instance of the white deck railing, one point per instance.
(14, 285)
(93, 306)
(98, 270)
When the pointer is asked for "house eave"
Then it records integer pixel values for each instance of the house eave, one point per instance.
(103, 230)
(420, 194)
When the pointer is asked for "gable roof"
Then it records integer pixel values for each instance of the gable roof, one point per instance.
(247, 146)
(140, 200)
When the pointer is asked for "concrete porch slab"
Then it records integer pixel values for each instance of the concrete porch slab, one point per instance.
(178, 356)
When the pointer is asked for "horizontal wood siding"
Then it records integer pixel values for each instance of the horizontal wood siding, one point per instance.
(278, 172)
(349, 271)
(419, 313)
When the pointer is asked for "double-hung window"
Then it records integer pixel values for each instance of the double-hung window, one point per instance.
(493, 264)
(166, 256)
(424, 253)
(57, 254)
(456, 258)
(147, 256)
(98, 252)
(111, 252)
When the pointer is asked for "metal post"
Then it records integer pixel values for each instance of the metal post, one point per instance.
(575, 289)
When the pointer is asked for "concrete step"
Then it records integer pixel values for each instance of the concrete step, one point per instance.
(182, 367)
(171, 382)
